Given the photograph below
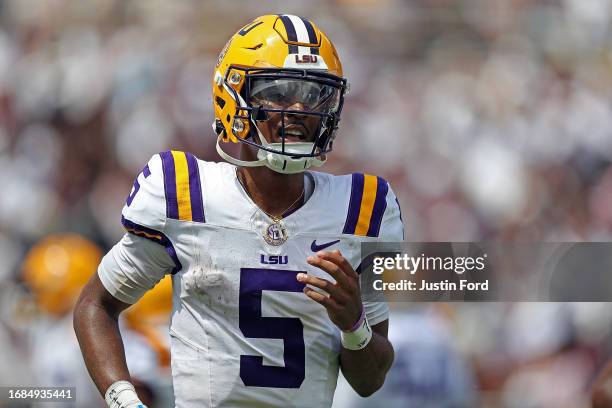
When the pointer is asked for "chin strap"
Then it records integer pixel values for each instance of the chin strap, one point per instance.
(280, 163)
(237, 162)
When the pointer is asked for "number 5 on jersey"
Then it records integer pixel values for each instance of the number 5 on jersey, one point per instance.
(253, 281)
(146, 172)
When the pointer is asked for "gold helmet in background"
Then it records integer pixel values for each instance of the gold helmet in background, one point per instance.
(57, 268)
(267, 68)
(154, 307)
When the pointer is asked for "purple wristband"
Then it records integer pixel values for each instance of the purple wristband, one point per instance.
(359, 321)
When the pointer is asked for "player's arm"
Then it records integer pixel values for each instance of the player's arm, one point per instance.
(366, 354)
(366, 369)
(96, 326)
(602, 388)
(127, 271)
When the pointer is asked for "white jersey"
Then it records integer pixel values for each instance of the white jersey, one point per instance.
(243, 332)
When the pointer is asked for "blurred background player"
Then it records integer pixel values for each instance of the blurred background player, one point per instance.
(54, 272)
(429, 370)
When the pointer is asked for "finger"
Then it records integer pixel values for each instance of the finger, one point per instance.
(337, 258)
(331, 268)
(321, 299)
(320, 283)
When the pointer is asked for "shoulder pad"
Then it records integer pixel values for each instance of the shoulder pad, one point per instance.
(169, 187)
(160, 192)
(146, 204)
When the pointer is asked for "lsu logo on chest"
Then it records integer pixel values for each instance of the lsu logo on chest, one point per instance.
(273, 259)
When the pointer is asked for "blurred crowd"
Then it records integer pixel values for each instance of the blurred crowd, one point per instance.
(492, 120)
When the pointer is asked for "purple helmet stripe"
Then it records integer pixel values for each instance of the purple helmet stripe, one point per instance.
(354, 204)
(170, 184)
(195, 189)
(312, 36)
(291, 34)
(380, 205)
(155, 236)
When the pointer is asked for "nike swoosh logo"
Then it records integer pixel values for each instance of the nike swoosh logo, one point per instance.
(316, 248)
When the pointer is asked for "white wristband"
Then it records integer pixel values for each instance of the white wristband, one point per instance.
(358, 338)
(122, 394)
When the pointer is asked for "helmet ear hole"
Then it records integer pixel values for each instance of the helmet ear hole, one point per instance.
(220, 130)
(220, 102)
(218, 127)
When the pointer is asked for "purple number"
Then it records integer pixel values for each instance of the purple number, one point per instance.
(290, 329)
(146, 173)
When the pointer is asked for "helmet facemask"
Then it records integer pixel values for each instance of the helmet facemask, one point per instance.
(292, 116)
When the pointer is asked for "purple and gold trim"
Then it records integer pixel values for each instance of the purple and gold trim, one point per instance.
(182, 186)
(312, 36)
(195, 189)
(354, 204)
(155, 236)
(169, 184)
(300, 33)
(366, 206)
(291, 34)
(380, 205)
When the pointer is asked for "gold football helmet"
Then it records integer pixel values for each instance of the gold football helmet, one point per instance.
(154, 307)
(282, 67)
(57, 268)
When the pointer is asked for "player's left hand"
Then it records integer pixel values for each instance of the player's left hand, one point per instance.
(343, 304)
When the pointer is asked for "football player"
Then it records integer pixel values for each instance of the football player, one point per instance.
(264, 254)
(55, 270)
